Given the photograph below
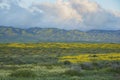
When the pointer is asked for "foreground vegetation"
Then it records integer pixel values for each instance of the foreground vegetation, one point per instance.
(59, 61)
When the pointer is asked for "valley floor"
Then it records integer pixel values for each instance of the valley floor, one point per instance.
(59, 61)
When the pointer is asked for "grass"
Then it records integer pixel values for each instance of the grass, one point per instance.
(59, 73)
(64, 73)
(59, 61)
(23, 73)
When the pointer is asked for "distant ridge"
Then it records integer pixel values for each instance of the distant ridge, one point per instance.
(12, 34)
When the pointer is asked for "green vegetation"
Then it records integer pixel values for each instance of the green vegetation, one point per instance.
(47, 61)
(11, 34)
(23, 73)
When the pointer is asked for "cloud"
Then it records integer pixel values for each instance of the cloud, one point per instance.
(4, 5)
(65, 14)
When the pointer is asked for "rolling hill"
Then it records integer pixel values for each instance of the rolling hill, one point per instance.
(12, 34)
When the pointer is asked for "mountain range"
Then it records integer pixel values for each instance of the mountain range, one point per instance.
(36, 34)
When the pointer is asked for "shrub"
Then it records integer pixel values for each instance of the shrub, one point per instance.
(72, 73)
(98, 65)
(75, 70)
(115, 68)
(67, 63)
(49, 67)
(76, 67)
(93, 56)
(101, 64)
(23, 73)
(87, 66)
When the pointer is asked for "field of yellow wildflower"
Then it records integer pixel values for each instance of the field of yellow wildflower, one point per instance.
(91, 57)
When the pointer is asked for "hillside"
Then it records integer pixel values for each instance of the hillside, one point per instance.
(11, 34)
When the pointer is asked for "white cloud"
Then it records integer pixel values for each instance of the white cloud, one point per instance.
(67, 14)
(61, 13)
(4, 5)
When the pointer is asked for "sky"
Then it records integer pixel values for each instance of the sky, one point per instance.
(63, 14)
(109, 4)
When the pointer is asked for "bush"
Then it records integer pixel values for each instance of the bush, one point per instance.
(87, 66)
(49, 67)
(72, 73)
(101, 64)
(23, 73)
(67, 63)
(76, 67)
(75, 70)
(115, 68)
